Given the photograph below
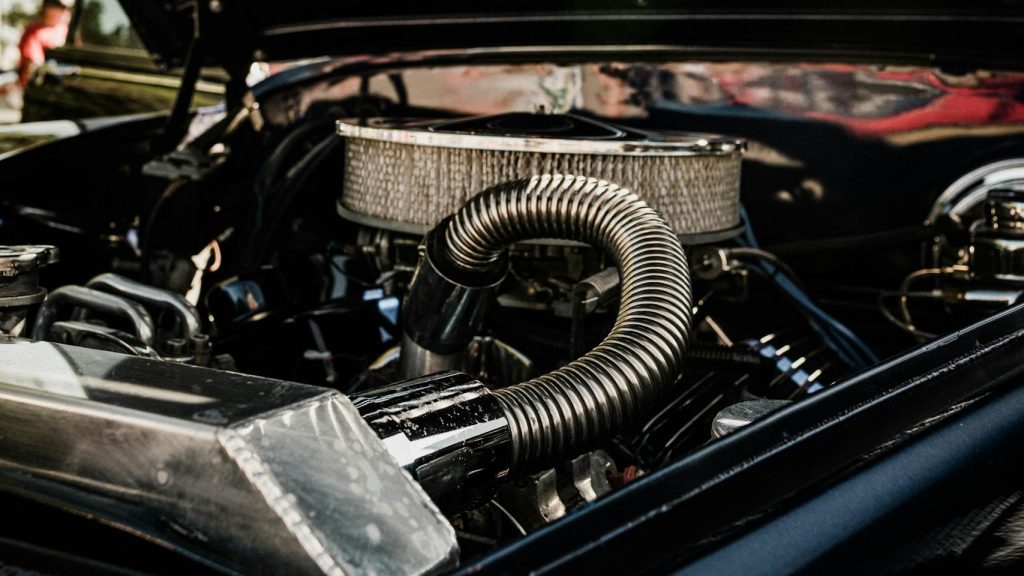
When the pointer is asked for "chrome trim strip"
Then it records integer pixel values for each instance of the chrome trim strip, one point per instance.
(147, 79)
(671, 144)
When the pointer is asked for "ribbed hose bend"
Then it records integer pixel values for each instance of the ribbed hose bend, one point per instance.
(571, 409)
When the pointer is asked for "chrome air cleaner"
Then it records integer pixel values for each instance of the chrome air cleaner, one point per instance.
(409, 175)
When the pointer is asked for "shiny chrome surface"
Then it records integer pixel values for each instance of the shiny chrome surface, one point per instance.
(971, 190)
(41, 254)
(432, 133)
(1004, 211)
(597, 289)
(996, 251)
(590, 474)
(997, 299)
(563, 413)
(996, 258)
(490, 359)
(548, 495)
(741, 414)
(253, 475)
(415, 360)
(447, 430)
(443, 310)
(497, 362)
(534, 501)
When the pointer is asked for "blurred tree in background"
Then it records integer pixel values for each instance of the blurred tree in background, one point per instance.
(14, 14)
(104, 23)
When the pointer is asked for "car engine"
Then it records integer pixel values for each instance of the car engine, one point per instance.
(527, 308)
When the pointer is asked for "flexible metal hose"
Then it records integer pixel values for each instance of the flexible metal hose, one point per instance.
(569, 410)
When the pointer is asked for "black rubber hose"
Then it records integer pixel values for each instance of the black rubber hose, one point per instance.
(572, 409)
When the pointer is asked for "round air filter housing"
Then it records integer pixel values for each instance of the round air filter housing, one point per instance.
(409, 175)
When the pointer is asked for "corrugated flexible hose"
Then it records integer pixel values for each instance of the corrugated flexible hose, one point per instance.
(567, 411)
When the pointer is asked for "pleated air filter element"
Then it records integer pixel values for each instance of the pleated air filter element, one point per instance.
(408, 176)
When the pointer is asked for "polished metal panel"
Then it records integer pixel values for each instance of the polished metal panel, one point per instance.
(256, 475)
(447, 430)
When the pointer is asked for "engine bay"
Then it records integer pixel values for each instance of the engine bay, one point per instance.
(539, 282)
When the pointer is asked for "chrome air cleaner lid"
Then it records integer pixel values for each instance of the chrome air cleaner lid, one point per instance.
(551, 133)
(407, 175)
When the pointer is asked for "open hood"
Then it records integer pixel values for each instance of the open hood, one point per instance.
(240, 31)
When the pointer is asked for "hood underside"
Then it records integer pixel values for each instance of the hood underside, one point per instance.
(238, 32)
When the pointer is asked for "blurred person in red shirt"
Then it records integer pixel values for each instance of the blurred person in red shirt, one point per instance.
(48, 31)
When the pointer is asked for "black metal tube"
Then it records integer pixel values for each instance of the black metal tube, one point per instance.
(573, 408)
(133, 312)
(188, 322)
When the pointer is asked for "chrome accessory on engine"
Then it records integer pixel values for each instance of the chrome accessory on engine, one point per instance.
(408, 176)
(996, 251)
(563, 413)
(971, 190)
(976, 253)
(447, 430)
